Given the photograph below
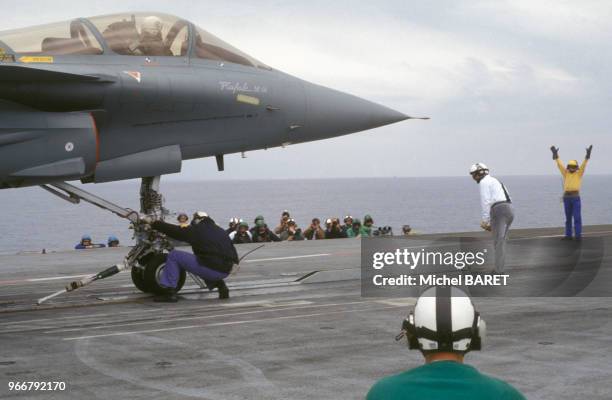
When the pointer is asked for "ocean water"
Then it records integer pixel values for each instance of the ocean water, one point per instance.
(33, 219)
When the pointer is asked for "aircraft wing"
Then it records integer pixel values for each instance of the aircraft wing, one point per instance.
(21, 73)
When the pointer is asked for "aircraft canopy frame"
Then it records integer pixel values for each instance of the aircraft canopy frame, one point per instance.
(145, 34)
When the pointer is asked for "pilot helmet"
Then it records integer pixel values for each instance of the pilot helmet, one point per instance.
(151, 26)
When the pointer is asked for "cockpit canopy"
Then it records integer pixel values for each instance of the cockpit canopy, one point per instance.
(134, 34)
(144, 34)
(68, 37)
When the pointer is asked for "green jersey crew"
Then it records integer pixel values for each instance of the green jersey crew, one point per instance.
(444, 326)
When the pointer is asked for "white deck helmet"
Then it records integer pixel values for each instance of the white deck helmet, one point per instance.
(479, 168)
(444, 320)
(198, 216)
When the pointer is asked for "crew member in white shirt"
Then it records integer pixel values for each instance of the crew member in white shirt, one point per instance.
(497, 211)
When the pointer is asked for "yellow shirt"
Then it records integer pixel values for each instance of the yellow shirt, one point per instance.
(571, 180)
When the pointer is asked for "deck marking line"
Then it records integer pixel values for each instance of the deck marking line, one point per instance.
(164, 321)
(176, 328)
(288, 258)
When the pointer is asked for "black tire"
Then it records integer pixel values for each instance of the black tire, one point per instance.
(138, 279)
(152, 271)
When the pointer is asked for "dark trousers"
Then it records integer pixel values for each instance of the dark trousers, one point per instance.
(502, 216)
(573, 211)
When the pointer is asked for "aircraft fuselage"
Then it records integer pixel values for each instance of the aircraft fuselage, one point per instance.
(108, 116)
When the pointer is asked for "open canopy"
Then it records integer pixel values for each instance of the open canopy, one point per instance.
(133, 34)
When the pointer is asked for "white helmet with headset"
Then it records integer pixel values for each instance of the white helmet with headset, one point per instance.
(444, 320)
(479, 168)
(198, 216)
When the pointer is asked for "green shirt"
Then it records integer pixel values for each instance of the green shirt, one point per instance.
(350, 232)
(444, 380)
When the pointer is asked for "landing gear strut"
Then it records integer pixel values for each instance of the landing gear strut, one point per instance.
(146, 273)
(148, 257)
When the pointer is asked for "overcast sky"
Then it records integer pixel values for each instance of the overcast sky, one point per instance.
(501, 80)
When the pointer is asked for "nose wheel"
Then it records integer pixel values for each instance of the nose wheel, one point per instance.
(147, 275)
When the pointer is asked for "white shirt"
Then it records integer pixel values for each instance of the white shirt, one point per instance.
(491, 192)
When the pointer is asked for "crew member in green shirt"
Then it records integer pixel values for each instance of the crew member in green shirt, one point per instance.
(444, 326)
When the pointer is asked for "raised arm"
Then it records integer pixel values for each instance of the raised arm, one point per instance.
(587, 157)
(561, 167)
(555, 153)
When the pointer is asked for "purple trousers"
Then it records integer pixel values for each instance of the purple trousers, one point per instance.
(178, 260)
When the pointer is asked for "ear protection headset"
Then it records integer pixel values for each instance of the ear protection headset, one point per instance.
(445, 338)
(198, 216)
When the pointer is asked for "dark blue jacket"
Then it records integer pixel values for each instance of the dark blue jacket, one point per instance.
(211, 245)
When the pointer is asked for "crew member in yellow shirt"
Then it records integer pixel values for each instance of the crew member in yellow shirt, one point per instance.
(572, 179)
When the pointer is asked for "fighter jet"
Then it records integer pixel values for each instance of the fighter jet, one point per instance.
(132, 95)
(125, 96)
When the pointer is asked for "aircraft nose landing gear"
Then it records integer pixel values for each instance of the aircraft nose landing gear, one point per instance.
(147, 258)
(146, 272)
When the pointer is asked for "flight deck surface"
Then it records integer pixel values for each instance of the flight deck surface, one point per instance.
(287, 332)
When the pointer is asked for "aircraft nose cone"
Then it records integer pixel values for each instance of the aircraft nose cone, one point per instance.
(332, 113)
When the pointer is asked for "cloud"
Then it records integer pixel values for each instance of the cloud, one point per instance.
(385, 56)
(557, 19)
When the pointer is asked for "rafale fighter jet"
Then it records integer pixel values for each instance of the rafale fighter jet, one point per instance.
(131, 96)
